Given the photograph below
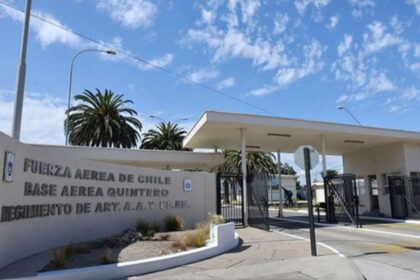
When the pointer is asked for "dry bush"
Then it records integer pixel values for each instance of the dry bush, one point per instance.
(164, 237)
(106, 257)
(174, 223)
(215, 219)
(178, 246)
(195, 239)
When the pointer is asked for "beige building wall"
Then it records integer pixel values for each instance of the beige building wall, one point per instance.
(386, 159)
(108, 215)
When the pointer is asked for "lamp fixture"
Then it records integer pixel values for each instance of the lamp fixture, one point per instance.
(253, 147)
(279, 135)
(354, 142)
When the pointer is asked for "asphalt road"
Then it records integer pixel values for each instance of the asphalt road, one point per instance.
(380, 250)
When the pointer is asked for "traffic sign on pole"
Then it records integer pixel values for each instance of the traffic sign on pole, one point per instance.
(306, 157)
(300, 158)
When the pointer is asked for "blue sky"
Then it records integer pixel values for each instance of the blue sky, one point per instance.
(296, 59)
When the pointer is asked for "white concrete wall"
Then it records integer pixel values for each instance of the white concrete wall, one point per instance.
(389, 159)
(412, 157)
(288, 182)
(24, 237)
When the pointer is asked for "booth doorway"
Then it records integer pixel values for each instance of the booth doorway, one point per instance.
(373, 193)
(398, 197)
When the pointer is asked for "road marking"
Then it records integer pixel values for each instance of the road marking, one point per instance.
(352, 228)
(335, 251)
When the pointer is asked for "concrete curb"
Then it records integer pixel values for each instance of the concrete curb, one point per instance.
(222, 239)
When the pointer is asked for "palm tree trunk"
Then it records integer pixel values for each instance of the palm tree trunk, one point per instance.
(226, 187)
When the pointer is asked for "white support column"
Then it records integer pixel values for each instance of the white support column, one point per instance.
(324, 157)
(244, 175)
(280, 214)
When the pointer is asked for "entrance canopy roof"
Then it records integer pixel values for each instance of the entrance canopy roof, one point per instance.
(222, 130)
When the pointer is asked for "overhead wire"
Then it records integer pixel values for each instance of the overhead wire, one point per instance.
(139, 59)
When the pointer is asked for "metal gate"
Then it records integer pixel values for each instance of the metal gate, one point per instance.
(415, 195)
(398, 197)
(343, 201)
(257, 196)
(229, 195)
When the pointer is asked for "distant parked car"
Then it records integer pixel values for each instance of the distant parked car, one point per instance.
(301, 195)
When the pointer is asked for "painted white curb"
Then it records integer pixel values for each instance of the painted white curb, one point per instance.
(222, 239)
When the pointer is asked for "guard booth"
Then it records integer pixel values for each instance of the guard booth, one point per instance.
(365, 151)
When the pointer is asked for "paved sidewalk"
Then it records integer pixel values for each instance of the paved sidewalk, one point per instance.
(266, 255)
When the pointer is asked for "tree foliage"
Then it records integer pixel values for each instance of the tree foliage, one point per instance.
(256, 162)
(103, 119)
(166, 136)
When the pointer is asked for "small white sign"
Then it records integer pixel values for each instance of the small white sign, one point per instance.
(187, 184)
(9, 164)
(300, 157)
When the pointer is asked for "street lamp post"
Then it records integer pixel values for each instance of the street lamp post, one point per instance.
(110, 52)
(341, 107)
(20, 80)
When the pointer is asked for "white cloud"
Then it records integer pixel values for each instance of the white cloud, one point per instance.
(411, 93)
(42, 120)
(162, 61)
(345, 45)
(202, 75)
(301, 5)
(333, 22)
(280, 23)
(236, 44)
(416, 4)
(265, 90)
(46, 33)
(130, 13)
(312, 64)
(359, 6)
(226, 83)
(377, 38)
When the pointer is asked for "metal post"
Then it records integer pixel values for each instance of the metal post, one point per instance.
(280, 214)
(244, 175)
(324, 174)
(309, 197)
(21, 73)
(110, 52)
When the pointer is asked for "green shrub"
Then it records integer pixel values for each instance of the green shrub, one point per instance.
(174, 223)
(112, 241)
(143, 227)
(106, 257)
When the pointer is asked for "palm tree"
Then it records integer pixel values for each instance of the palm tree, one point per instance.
(256, 163)
(103, 119)
(166, 136)
(261, 163)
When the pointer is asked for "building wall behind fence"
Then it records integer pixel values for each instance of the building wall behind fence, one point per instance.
(384, 159)
(77, 200)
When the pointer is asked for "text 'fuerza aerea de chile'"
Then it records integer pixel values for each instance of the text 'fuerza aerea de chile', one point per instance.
(57, 170)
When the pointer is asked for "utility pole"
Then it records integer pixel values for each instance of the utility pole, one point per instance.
(307, 158)
(21, 73)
